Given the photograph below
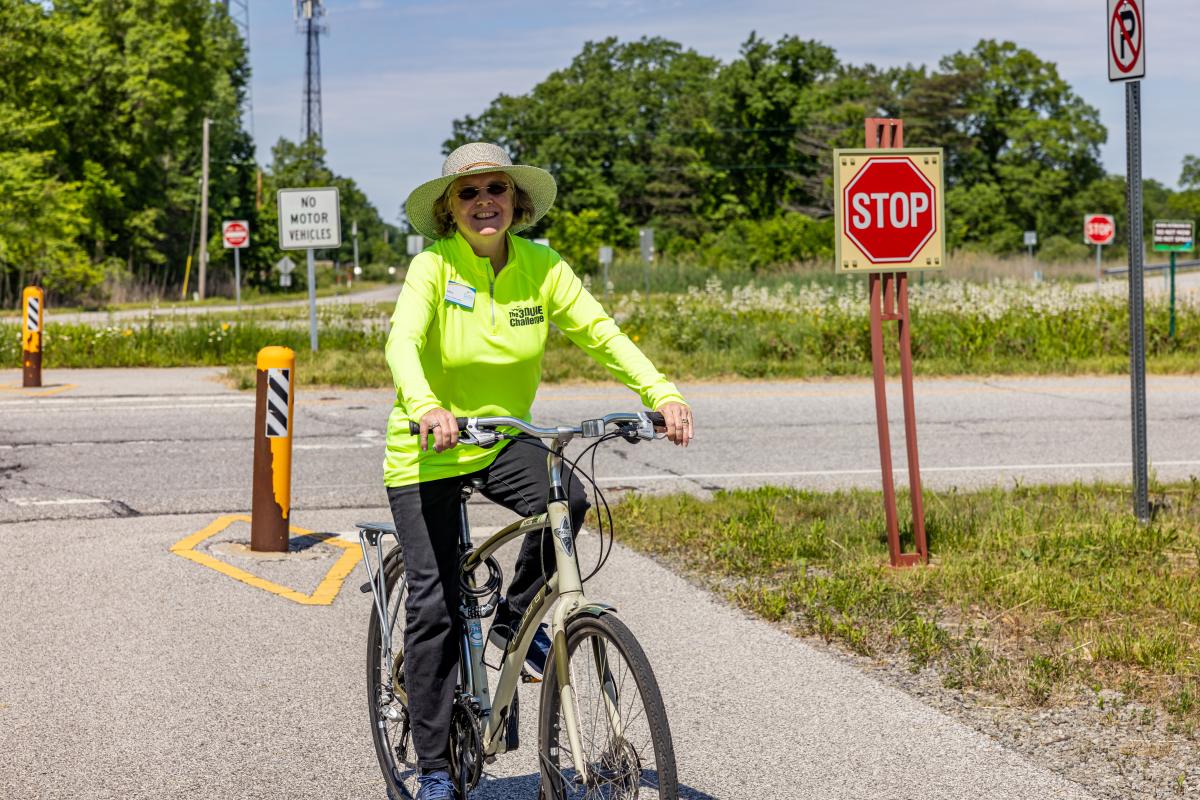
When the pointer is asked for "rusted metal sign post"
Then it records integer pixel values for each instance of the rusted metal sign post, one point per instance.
(889, 215)
(272, 495)
(33, 301)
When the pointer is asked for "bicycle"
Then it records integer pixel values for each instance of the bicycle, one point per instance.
(602, 726)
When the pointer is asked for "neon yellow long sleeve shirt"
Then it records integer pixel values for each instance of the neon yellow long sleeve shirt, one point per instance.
(471, 341)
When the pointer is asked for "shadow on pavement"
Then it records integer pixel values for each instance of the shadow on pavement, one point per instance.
(527, 786)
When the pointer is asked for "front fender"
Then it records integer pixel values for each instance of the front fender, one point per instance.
(591, 610)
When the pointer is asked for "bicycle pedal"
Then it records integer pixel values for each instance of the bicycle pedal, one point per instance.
(529, 677)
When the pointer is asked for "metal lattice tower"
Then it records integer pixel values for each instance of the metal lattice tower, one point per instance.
(239, 12)
(308, 17)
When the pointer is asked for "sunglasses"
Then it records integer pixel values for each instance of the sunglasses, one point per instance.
(471, 192)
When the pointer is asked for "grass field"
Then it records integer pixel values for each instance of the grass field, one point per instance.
(1034, 596)
(785, 330)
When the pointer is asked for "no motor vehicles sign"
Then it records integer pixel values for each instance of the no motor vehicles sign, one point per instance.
(888, 210)
(309, 219)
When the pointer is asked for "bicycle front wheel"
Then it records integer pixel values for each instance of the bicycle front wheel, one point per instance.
(623, 738)
(387, 700)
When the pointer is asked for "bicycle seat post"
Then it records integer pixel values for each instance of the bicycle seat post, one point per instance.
(464, 525)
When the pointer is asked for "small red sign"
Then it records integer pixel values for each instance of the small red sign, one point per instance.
(236, 233)
(1099, 229)
(890, 209)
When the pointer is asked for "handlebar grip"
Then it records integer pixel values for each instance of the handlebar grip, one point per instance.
(414, 428)
(658, 419)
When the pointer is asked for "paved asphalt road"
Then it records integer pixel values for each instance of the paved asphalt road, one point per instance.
(127, 671)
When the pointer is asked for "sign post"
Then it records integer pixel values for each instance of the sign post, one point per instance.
(606, 255)
(646, 245)
(1126, 43)
(1030, 243)
(889, 219)
(309, 219)
(354, 233)
(1173, 236)
(235, 233)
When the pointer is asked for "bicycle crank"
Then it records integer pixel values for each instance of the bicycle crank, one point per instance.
(466, 745)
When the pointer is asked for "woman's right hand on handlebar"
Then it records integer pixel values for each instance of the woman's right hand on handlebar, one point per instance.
(441, 424)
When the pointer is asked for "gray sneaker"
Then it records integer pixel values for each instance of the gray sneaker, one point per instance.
(435, 786)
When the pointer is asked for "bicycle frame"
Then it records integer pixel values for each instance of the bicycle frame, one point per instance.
(563, 593)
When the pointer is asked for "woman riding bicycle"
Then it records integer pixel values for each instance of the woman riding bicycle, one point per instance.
(467, 340)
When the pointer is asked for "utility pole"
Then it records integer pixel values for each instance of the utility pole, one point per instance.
(204, 211)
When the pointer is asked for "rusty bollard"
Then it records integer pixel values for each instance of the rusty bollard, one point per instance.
(271, 509)
(33, 300)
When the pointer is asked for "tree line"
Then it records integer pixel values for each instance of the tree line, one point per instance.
(102, 105)
(101, 113)
(731, 163)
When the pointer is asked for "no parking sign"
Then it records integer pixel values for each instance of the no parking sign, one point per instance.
(1126, 40)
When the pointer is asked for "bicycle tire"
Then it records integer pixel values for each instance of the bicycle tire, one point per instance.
(392, 740)
(617, 767)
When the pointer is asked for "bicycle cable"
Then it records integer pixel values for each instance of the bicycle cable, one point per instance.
(601, 500)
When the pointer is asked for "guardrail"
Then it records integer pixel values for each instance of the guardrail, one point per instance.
(1153, 267)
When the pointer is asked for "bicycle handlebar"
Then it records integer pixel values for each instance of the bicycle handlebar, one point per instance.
(590, 428)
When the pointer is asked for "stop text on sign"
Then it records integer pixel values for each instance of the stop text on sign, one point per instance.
(899, 209)
(888, 210)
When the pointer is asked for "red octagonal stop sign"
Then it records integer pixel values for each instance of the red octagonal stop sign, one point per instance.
(890, 210)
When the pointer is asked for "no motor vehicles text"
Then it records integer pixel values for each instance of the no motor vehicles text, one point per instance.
(894, 210)
(310, 235)
(308, 218)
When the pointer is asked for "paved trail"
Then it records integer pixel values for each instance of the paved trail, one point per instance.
(127, 671)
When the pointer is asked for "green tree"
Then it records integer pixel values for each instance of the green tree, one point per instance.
(1016, 136)
(620, 128)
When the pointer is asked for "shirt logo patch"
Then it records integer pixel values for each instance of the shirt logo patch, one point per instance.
(525, 315)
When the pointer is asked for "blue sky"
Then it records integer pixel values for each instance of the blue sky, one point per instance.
(395, 74)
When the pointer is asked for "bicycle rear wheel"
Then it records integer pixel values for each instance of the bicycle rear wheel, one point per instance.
(386, 698)
(624, 739)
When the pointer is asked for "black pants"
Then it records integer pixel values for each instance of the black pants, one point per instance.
(426, 516)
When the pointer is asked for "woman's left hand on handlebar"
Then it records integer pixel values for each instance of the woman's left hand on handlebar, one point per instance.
(680, 424)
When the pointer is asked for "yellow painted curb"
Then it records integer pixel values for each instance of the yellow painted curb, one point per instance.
(13, 387)
(323, 595)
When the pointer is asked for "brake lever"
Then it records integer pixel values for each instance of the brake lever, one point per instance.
(477, 436)
(645, 428)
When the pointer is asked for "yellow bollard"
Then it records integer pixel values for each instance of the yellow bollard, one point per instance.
(271, 509)
(33, 300)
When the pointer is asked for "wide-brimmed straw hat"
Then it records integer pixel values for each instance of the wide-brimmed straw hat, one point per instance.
(470, 159)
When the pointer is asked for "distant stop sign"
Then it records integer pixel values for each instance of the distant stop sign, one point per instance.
(890, 210)
(1099, 229)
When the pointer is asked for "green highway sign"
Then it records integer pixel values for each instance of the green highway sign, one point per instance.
(1173, 236)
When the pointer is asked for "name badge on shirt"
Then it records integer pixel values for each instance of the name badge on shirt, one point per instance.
(460, 294)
